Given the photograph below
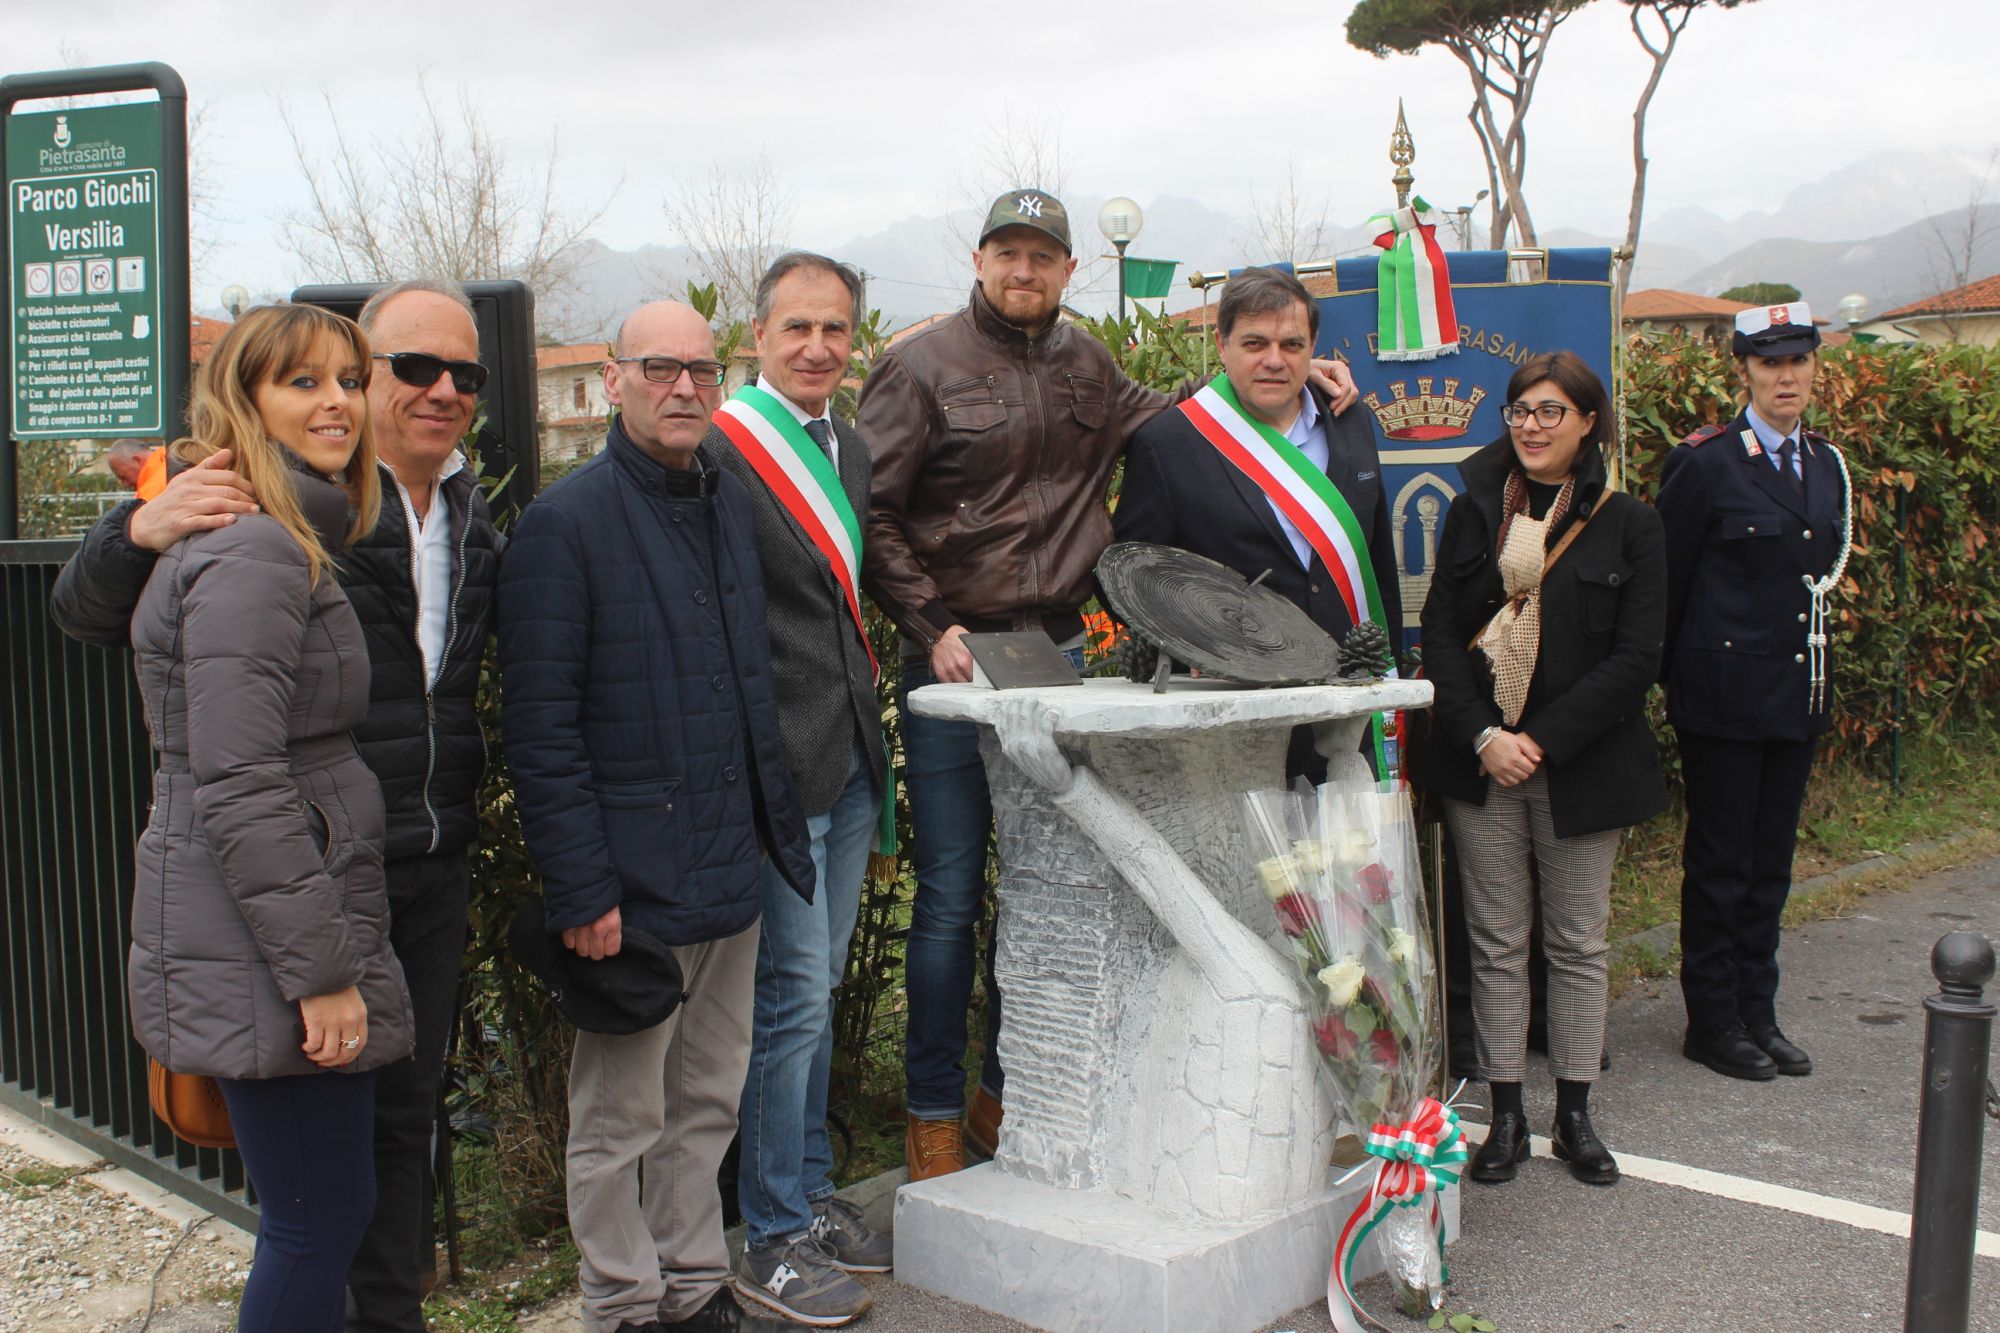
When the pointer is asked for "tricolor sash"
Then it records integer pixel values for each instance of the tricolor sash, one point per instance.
(801, 478)
(1303, 493)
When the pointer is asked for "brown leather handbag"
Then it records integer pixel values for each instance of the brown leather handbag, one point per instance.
(191, 1105)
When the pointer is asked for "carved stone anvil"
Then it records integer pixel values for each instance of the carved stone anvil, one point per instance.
(1164, 1162)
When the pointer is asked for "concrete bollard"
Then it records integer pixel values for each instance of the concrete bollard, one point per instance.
(1958, 1029)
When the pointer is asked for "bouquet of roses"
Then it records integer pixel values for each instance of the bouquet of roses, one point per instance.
(1340, 870)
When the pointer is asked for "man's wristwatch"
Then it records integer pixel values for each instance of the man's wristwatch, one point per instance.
(1485, 738)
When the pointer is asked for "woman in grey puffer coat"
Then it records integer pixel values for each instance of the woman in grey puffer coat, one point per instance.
(260, 950)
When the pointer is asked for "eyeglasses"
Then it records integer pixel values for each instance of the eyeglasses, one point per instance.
(1549, 415)
(420, 370)
(666, 370)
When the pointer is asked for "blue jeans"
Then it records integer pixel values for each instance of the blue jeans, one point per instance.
(787, 1159)
(308, 1144)
(951, 818)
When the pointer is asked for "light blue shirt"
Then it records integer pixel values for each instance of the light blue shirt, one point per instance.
(1771, 437)
(1308, 432)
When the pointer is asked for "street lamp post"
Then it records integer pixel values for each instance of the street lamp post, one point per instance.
(1120, 220)
(235, 299)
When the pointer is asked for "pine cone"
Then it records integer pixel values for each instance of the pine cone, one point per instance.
(1365, 652)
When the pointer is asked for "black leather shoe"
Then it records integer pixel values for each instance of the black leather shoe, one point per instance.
(1577, 1143)
(1788, 1058)
(1506, 1147)
(1729, 1051)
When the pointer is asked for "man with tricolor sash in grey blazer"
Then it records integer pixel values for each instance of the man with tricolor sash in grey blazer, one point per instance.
(808, 473)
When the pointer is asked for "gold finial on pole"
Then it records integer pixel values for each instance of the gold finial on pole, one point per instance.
(1402, 152)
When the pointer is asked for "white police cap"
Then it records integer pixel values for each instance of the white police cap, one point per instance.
(1775, 330)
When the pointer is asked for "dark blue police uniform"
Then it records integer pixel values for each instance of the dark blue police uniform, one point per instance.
(1743, 538)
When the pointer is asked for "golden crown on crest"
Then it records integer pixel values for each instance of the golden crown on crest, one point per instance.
(1429, 415)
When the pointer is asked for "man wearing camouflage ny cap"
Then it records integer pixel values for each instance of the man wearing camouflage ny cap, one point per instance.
(994, 435)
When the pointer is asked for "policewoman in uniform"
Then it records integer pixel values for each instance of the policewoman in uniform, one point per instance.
(1756, 515)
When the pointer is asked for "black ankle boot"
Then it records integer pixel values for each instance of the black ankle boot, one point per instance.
(1506, 1147)
(1577, 1143)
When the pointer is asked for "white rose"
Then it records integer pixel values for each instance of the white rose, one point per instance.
(1311, 856)
(1402, 945)
(1343, 981)
(1280, 875)
(1353, 845)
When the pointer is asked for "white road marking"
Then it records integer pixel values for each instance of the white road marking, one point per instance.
(1865, 1217)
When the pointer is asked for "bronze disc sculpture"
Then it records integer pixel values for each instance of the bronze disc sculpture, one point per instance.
(1208, 617)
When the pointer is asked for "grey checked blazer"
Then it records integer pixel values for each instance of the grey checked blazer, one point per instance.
(815, 648)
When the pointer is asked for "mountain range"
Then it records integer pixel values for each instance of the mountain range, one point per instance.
(1871, 227)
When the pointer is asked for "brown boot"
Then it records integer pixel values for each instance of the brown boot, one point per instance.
(933, 1147)
(982, 1123)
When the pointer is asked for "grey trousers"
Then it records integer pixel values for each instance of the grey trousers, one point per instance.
(1505, 848)
(650, 1117)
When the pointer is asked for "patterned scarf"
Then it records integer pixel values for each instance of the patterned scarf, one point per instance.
(1512, 640)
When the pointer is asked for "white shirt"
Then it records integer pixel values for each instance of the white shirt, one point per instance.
(430, 568)
(832, 436)
(1310, 436)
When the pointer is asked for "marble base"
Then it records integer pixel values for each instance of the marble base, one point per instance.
(1089, 1261)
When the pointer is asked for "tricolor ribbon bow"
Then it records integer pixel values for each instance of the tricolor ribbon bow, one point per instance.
(1415, 318)
(1420, 1157)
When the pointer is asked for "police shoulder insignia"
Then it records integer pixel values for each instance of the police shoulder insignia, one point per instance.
(1702, 436)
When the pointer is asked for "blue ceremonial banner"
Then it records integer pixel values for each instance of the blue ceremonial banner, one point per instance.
(1431, 414)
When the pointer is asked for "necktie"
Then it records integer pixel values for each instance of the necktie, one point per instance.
(1787, 459)
(821, 435)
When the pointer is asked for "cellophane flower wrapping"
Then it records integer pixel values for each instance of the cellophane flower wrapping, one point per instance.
(1340, 870)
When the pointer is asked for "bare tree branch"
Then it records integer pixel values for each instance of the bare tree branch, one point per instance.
(734, 222)
(437, 198)
(1289, 226)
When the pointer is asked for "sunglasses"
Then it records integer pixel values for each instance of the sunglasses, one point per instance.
(420, 370)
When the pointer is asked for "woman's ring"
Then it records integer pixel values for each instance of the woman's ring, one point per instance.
(350, 1043)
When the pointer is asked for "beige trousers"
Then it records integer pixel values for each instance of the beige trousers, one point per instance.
(650, 1117)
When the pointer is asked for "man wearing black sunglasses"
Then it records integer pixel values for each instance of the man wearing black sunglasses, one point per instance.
(422, 584)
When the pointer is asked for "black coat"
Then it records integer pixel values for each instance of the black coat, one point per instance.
(427, 750)
(1739, 540)
(1603, 613)
(1180, 491)
(640, 716)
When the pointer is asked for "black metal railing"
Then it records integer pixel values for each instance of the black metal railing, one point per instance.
(75, 781)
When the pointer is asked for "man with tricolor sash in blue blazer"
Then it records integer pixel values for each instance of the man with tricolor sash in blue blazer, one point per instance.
(1257, 472)
(808, 474)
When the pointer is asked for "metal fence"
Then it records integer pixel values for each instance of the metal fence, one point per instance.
(75, 783)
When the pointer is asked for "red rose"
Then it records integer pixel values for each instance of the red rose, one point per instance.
(1334, 1038)
(1382, 1045)
(1375, 880)
(1297, 914)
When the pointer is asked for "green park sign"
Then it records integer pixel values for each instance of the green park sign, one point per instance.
(84, 202)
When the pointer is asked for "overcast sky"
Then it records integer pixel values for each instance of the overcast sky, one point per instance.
(871, 112)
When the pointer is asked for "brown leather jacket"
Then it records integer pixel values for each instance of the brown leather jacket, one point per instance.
(992, 454)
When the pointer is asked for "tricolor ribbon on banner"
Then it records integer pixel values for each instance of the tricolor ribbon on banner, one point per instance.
(1415, 317)
(1420, 1157)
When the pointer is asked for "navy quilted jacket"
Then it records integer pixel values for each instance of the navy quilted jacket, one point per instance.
(641, 721)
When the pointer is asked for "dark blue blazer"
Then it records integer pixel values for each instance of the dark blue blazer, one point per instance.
(640, 718)
(1179, 490)
(1739, 543)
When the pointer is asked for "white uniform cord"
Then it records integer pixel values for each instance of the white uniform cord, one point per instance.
(1816, 633)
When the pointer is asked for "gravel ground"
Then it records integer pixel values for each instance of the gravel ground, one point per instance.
(81, 1258)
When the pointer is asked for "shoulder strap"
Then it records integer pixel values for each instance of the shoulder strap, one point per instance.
(1702, 436)
(1570, 536)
